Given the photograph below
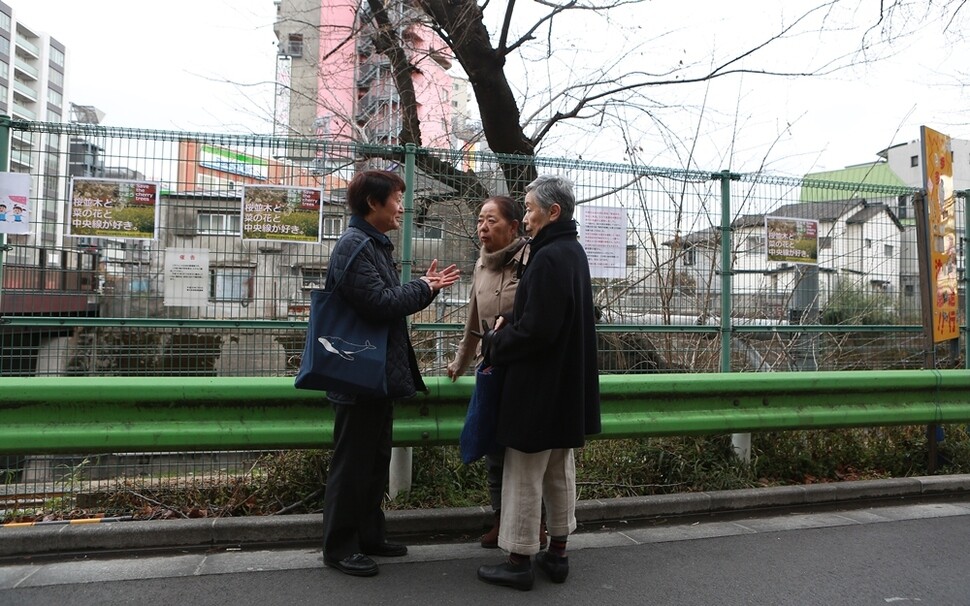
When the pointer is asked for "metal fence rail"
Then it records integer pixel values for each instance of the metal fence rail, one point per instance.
(85, 324)
(121, 414)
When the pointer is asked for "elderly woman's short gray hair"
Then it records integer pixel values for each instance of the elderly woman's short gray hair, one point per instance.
(553, 189)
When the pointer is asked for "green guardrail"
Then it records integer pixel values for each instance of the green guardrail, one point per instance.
(128, 414)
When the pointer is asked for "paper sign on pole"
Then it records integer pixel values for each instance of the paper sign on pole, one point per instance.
(602, 232)
(186, 277)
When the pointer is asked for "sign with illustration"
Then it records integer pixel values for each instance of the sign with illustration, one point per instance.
(791, 240)
(602, 232)
(272, 212)
(942, 210)
(113, 208)
(186, 277)
(14, 203)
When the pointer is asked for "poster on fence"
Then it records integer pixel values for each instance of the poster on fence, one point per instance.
(113, 208)
(602, 232)
(942, 209)
(791, 240)
(289, 214)
(186, 277)
(14, 203)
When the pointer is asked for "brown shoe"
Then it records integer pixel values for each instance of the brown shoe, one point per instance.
(489, 540)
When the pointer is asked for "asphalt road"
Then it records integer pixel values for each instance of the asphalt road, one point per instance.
(904, 553)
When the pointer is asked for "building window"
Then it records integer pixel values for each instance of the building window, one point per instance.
(231, 284)
(313, 277)
(914, 160)
(428, 228)
(57, 57)
(887, 250)
(333, 226)
(689, 256)
(824, 242)
(4, 47)
(294, 45)
(220, 224)
(908, 290)
(754, 243)
(631, 256)
(55, 98)
(868, 243)
(903, 213)
(5, 21)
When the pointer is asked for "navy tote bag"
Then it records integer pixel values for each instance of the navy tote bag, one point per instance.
(343, 352)
(478, 435)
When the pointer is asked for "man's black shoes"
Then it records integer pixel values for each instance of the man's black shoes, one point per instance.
(387, 550)
(357, 565)
(555, 567)
(518, 577)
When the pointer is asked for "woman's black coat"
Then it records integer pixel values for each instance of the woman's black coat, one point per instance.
(551, 394)
(372, 287)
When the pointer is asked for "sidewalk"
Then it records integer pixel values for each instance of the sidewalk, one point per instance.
(206, 532)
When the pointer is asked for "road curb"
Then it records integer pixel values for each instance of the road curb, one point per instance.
(206, 532)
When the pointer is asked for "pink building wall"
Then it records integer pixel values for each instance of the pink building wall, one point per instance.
(336, 78)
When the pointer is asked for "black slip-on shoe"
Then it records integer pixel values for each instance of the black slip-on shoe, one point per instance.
(357, 565)
(507, 575)
(555, 567)
(387, 550)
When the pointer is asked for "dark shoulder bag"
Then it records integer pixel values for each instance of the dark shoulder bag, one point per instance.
(344, 352)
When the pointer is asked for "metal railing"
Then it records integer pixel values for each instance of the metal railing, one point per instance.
(125, 414)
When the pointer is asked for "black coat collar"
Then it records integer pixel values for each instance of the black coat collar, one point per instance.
(553, 231)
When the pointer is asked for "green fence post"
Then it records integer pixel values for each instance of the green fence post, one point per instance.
(402, 456)
(741, 442)
(726, 177)
(407, 227)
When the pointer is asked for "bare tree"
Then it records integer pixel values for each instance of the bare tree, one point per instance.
(601, 94)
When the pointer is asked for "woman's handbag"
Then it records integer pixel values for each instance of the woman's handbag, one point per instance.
(343, 351)
(478, 436)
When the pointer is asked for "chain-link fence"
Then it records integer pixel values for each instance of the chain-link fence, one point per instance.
(233, 232)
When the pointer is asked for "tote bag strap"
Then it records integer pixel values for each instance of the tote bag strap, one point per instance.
(350, 261)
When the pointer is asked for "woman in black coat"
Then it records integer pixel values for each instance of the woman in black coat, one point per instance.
(550, 399)
(352, 514)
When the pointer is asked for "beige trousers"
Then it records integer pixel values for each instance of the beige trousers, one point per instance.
(527, 480)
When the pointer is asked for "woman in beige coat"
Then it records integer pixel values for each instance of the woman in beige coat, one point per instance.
(504, 252)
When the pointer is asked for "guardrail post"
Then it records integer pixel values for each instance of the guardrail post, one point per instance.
(401, 457)
(741, 442)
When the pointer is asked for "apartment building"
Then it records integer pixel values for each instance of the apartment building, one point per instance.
(332, 84)
(32, 87)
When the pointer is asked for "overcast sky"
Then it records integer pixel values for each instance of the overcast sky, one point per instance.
(208, 65)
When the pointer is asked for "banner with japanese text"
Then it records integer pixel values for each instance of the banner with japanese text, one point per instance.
(113, 208)
(279, 213)
(791, 240)
(942, 211)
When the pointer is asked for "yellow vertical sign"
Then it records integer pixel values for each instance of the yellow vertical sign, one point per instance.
(941, 207)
